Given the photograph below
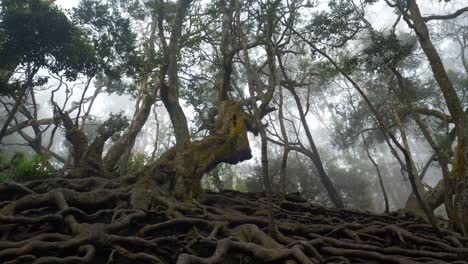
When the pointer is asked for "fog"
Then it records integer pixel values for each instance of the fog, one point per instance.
(341, 163)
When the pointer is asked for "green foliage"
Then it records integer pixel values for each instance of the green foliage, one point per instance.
(115, 124)
(387, 51)
(22, 168)
(201, 99)
(33, 31)
(219, 178)
(112, 38)
(353, 176)
(137, 161)
(337, 25)
(349, 63)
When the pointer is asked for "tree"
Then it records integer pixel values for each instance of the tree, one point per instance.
(32, 32)
(412, 16)
(100, 210)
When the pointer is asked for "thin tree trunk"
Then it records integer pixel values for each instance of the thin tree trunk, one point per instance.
(284, 159)
(148, 97)
(156, 140)
(252, 80)
(392, 104)
(128, 137)
(18, 102)
(324, 178)
(439, 152)
(379, 175)
(267, 183)
(224, 79)
(384, 128)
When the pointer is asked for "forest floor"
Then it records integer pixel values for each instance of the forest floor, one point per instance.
(92, 221)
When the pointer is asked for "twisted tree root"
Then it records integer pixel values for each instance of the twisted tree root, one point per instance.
(92, 220)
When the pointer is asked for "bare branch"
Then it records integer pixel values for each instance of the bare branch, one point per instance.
(445, 17)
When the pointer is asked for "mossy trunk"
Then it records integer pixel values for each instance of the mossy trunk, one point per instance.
(454, 106)
(178, 172)
(459, 221)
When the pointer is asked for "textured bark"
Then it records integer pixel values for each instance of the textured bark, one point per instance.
(392, 102)
(449, 93)
(226, 48)
(459, 172)
(86, 155)
(178, 172)
(435, 197)
(121, 149)
(255, 91)
(128, 137)
(168, 91)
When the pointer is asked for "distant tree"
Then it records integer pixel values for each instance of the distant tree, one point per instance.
(38, 35)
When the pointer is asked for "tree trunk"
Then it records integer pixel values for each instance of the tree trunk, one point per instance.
(284, 134)
(333, 194)
(18, 102)
(128, 137)
(168, 91)
(254, 84)
(460, 169)
(379, 175)
(178, 171)
(120, 150)
(411, 202)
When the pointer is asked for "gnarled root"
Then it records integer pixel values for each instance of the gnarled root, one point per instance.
(64, 220)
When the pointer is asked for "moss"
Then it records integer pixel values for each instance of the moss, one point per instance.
(459, 218)
(228, 143)
(458, 163)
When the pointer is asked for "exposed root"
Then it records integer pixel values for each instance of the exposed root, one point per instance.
(93, 221)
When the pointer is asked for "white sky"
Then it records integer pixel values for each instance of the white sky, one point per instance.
(67, 3)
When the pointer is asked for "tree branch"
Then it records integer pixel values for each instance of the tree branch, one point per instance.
(445, 17)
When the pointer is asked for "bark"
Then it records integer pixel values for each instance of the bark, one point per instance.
(459, 172)
(18, 101)
(284, 159)
(86, 156)
(411, 202)
(382, 125)
(168, 91)
(229, 144)
(157, 133)
(24, 124)
(333, 194)
(313, 154)
(442, 158)
(440, 152)
(128, 137)
(379, 175)
(255, 91)
(91, 220)
(449, 93)
(227, 51)
(120, 150)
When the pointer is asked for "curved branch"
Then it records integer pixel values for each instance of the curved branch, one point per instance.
(445, 17)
